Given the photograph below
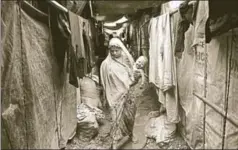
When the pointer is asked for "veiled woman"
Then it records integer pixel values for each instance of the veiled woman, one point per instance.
(117, 78)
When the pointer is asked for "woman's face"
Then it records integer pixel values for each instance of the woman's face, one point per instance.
(115, 52)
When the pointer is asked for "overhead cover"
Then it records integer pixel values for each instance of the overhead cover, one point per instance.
(114, 10)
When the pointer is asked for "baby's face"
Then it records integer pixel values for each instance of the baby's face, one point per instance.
(139, 64)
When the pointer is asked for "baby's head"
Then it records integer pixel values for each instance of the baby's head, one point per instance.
(141, 62)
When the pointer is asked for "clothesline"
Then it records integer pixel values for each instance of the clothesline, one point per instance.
(171, 13)
(59, 6)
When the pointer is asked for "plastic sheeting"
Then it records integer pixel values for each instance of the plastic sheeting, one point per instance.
(38, 105)
(222, 69)
(192, 72)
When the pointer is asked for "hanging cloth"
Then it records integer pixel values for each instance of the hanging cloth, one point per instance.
(162, 65)
(76, 25)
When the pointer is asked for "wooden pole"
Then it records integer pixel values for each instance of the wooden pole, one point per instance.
(222, 113)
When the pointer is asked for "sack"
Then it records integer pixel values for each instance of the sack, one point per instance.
(88, 118)
(160, 130)
(90, 92)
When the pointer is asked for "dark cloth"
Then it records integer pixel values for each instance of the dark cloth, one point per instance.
(134, 40)
(82, 45)
(88, 65)
(77, 53)
(62, 44)
(101, 50)
(60, 34)
(144, 35)
(74, 6)
(76, 26)
(72, 60)
(223, 16)
(89, 43)
(144, 38)
(186, 16)
(182, 27)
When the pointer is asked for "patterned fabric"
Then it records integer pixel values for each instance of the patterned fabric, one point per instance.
(125, 117)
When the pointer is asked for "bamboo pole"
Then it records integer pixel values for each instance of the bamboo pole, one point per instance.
(171, 13)
(222, 113)
(57, 5)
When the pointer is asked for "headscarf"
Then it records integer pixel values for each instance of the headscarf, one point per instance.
(117, 76)
(126, 55)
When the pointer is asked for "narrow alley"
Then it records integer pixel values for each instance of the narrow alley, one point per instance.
(146, 101)
(119, 74)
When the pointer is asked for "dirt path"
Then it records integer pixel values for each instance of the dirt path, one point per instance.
(146, 101)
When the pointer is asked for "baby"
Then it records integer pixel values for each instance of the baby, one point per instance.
(138, 71)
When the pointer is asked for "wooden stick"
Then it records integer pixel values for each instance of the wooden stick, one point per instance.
(57, 5)
(171, 13)
(234, 122)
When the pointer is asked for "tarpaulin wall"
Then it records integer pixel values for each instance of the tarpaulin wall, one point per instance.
(38, 105)
(215, 78)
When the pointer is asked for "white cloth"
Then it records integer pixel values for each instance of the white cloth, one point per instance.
(153, 57)
(162, 65)
(161, 70)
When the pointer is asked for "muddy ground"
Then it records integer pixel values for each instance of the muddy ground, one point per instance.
(146, 101)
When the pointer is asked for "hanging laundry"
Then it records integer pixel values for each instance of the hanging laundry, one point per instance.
(186, 15)
(59, 28)
(153, 57)
(161, 56)
(76, 26)
(87, 66)
(162, 65)
(165, 47)
(75, 6)
(88, 41)
(200, 22)
(72, 64)
(77, 56)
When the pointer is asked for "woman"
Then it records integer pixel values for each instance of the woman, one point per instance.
(117, 78)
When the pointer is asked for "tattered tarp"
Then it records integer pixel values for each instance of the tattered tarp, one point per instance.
(38, 104)
(191, 78)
